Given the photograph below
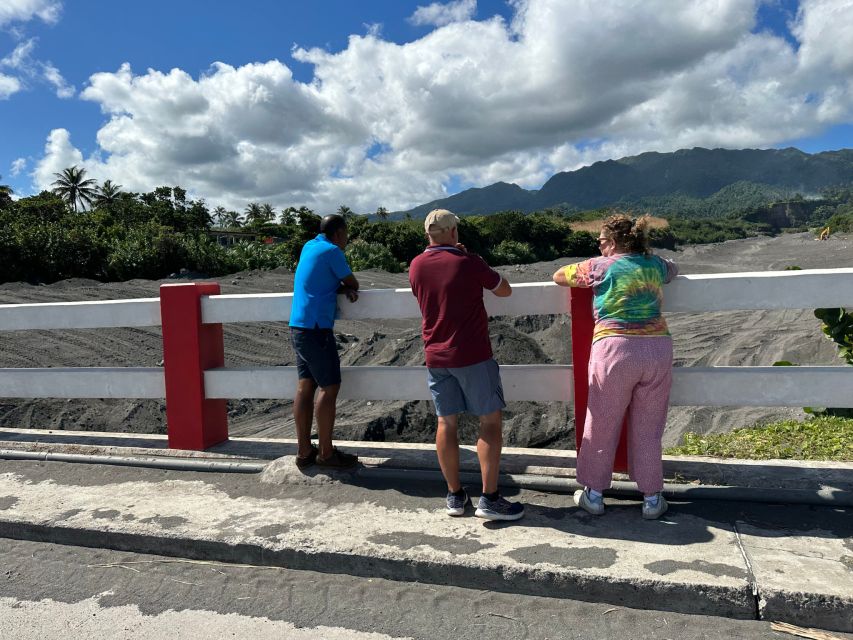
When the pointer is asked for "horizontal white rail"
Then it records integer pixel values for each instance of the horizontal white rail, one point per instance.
(540, 383)
(762, 386)
(138, 312)
(83, 382)
(527, 298)
(694, 386)
(806, 289)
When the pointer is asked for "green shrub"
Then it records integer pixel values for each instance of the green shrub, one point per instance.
(150, 251)
(363, 255)
(252, 255)
(404, 240)
(513, 252)
(580, 245)
(841, 223)
(205, 255)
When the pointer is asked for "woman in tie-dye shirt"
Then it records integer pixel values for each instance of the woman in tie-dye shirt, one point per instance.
(630, 366)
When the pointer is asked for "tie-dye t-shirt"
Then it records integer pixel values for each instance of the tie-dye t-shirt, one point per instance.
(627, 292)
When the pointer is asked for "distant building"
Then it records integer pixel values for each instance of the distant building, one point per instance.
(230, 238)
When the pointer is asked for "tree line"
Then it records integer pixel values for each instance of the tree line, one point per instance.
(85, 230)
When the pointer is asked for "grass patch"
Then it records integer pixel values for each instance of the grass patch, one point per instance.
(821, 438)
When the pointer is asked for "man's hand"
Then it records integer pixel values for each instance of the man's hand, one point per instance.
(461, 247)
(351, 294)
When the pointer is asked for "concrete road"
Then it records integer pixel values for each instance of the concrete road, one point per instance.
(51, 591)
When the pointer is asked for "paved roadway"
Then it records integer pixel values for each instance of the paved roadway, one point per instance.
(52, 591)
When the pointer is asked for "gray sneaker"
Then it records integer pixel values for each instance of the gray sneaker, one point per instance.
(500, 509)
(655, 511)
(456, 504)
(585, 502)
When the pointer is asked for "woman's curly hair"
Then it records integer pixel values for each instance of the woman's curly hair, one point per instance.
(631, 234)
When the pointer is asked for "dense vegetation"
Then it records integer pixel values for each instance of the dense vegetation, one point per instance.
(52, 235)
(99, 231)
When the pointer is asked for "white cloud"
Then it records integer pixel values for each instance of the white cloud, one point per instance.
(52, 75)
(59, 154)
(558, 86)
(440, 14)
(18, 166)
(21, 61)
(8, 86)
(25, 10)
(20, 56)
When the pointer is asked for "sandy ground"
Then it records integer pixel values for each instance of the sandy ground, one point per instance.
(724, 338)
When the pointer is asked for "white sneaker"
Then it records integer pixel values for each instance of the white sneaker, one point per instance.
(585, 502)
(654, 511)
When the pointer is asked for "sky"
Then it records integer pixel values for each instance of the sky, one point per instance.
(395, 103)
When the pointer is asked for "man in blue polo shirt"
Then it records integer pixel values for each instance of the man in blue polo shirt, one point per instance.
(321, 274)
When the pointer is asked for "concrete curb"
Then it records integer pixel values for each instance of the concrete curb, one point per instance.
(739, 603)
(802, 608)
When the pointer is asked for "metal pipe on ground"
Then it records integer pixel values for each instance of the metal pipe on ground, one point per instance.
(822, 497)
(174, 464)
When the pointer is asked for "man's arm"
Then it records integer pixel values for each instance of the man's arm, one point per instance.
(349, 287)
(351, 282)
(503, 290)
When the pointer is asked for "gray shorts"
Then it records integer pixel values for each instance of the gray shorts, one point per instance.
(476, 389)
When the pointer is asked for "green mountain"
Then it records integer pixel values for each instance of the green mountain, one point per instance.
(707, 182)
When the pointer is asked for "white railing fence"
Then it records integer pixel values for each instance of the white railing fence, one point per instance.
(705, 386)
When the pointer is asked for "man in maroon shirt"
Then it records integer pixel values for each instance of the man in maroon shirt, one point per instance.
(463, 376)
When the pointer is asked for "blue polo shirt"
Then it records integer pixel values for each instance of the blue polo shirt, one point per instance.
(322, 266)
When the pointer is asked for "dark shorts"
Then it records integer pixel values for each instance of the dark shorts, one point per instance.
(316, 355)
(476, 389)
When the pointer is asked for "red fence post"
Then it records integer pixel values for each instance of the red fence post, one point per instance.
(583, 325)
(190, 347)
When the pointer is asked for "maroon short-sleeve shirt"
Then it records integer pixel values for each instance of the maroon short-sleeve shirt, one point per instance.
(449, 284)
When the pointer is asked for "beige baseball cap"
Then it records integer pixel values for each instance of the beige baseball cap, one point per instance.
(440, 219)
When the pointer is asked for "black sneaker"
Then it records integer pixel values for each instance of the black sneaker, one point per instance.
(338, 460)
(500, 509)
(456, 504)
(307, 461)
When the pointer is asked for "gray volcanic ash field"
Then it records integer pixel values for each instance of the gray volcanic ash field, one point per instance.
(721, 338)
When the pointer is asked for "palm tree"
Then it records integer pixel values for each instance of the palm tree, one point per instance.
(72, 186)
(107, 194)
(382, 213)
(346, 212)
(231, 220)
(219, 214)
(268, 212)
(254, 214)
(288, 215)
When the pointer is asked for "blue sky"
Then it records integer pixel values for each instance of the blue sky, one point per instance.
(100, 35)
(423, 102)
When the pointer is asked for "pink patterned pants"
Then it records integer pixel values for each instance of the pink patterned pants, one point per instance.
(632, 374)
